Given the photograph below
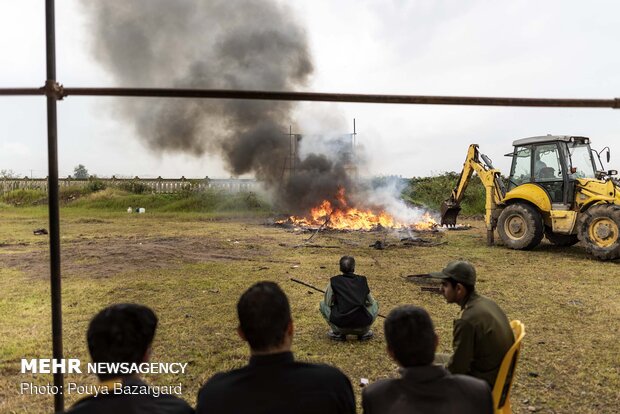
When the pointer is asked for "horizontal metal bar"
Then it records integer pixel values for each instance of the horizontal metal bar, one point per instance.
(328, 97)
(344, 97)
(21, 91)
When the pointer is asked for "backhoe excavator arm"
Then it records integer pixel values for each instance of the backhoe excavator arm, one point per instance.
(493, 185)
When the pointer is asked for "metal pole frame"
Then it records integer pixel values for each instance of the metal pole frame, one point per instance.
(54, 92)
(54, 211)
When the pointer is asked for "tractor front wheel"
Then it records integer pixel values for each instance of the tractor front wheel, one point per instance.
(599, 230)
(520, 226)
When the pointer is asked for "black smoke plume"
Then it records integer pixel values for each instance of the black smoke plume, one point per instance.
(219, 44)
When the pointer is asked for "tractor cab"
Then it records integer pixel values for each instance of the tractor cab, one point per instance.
(554, 163)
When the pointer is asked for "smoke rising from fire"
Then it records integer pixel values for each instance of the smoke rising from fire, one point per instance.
(245, 44)
(387, 194)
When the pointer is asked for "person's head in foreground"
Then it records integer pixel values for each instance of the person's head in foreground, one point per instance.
(121, 333)
(424, 387)
(272, 381)
(410, 336)
(458, 281)
(347, 264)
(265, 319)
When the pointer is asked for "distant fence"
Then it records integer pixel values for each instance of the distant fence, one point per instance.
(157, 185)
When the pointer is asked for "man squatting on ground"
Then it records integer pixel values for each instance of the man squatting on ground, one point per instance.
(124, 333)
(482, 335)
(348, 306)
(423, 386)
(273, 382)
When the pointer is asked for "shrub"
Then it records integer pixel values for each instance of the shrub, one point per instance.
(432, 191)
(135, 187)
(25, 197)
(95, 185)
(71, 192)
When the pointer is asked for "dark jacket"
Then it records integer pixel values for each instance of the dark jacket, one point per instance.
(131, 403)
(349, 310)
(428, 389)
(482, 336)
(273, 384)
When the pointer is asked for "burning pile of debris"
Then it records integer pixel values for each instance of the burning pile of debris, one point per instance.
(338, 215)
(342, 217)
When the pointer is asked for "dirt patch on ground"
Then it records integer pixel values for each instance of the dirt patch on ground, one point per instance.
(104, 257)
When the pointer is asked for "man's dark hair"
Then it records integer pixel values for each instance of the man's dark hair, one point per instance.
(410, 336)
(121, 333)
(453, 283)
(347, 264)
(264, 314)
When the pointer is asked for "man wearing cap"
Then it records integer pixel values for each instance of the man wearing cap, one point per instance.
(482, 335)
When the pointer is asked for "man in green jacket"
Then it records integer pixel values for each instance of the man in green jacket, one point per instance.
(482, 335)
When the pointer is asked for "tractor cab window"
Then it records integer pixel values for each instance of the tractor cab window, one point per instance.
(547, 171)
(581, 160)
(547, 166)
(521, 170)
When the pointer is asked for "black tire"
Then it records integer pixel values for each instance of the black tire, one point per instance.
(563, 240)
(520, 226)
(599, 230)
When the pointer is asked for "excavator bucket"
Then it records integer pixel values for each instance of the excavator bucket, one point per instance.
(449, 211)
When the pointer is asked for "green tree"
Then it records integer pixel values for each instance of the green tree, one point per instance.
(80, 172)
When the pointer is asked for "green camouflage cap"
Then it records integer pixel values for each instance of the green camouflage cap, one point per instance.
(459, 270)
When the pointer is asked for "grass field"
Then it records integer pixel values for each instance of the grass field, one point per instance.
(191, 268)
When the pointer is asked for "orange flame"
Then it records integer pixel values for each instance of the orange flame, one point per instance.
(426, 224)
(351, 218)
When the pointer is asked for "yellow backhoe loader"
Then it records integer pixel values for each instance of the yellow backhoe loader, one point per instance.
(554, 190)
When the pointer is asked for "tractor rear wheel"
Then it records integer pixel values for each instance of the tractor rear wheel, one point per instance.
(599, 230)
(560, 239)
(520, 226)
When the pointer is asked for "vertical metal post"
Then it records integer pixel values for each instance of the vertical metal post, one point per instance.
(54, 214)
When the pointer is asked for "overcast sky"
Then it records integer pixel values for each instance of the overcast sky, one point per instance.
(551, 49)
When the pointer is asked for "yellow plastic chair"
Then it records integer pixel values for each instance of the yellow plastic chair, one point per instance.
(505, 376)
